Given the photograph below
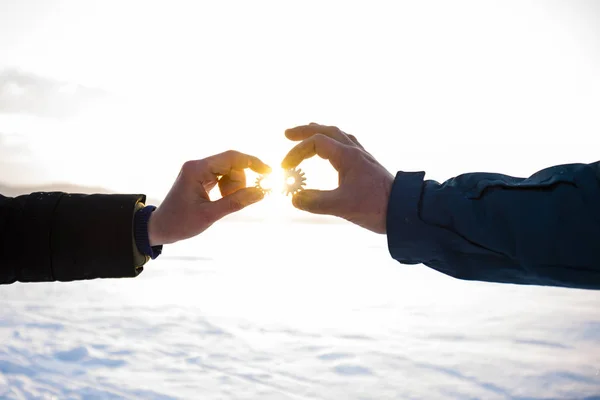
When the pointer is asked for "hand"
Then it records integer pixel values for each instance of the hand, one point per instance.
(364, 185)
(188, 211)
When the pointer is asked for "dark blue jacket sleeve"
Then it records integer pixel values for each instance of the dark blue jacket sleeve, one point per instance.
(541, 230)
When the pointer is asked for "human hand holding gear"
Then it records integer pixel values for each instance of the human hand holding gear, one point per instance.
(364, 186)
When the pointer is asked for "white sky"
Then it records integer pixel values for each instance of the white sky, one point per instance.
(445, 87)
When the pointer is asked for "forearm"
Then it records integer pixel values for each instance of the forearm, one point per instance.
(541, 230)
(65, 237)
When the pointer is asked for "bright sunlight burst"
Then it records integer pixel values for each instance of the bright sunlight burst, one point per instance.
(273, 182)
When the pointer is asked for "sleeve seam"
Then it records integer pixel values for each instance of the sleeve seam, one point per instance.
(51, 231)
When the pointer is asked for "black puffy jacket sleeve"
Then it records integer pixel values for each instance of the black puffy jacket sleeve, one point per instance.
(55, 236)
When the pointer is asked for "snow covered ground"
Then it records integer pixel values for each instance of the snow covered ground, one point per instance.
(276, 311)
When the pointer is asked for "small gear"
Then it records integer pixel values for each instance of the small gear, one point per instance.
(259, 184)
(294, 181)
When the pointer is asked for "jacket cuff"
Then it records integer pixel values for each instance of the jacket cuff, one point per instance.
(92, 235)
(409, 238)
(140, 233)
(139, 259)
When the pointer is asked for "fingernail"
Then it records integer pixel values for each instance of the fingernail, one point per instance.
(256, 194)
(299, 200)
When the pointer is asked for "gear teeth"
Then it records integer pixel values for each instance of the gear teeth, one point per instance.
(259, 186)
(299, 181)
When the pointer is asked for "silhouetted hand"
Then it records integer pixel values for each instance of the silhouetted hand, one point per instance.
(364, 185)
(188, 211)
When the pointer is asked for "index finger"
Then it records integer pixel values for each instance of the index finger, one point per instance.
(305, 131)
(222, 164)
(321, 145)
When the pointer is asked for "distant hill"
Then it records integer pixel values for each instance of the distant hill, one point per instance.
(12, 191)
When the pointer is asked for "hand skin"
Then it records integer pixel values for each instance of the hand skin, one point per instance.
(188, 211)
(364, 184)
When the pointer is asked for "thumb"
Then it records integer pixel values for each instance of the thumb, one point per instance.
(235, 202)
(318, 201)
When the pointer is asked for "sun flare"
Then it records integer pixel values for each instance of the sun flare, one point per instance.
(273, 183)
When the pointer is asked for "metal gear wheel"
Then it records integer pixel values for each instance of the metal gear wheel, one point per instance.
(258, 184)
(294, 181)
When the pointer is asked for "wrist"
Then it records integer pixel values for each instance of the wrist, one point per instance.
(388, 186)
(154, 237)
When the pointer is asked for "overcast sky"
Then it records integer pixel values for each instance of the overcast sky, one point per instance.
(120, 93)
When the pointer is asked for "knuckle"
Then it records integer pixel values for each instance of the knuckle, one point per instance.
(320, 138)
(188, 168)
(354, 152)
(235, 204)
(231, 153)
(322, 141)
